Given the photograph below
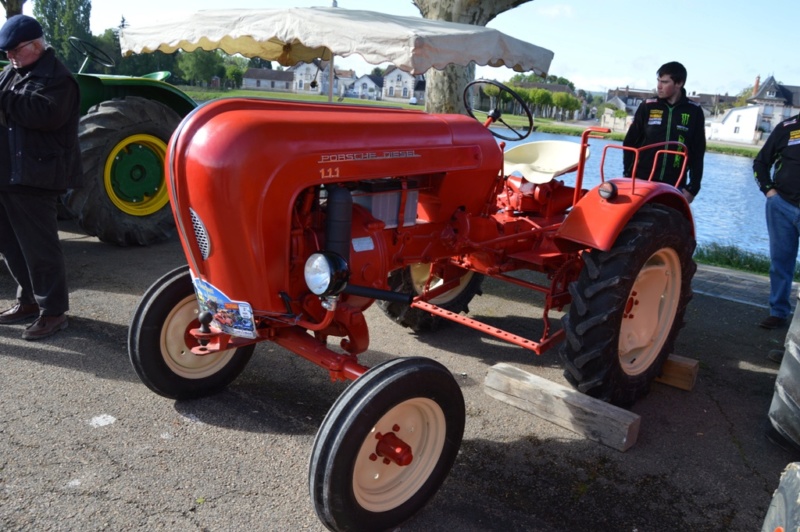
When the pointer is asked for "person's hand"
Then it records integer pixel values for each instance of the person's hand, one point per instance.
(771, 192)
(688, 195)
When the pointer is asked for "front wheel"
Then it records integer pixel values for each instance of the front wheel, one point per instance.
(159, 343)
(386, 445)
(628, 306)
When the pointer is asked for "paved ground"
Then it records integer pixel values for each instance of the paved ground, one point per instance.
(84, 445)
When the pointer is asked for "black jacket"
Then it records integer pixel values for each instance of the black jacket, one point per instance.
(658, 121)
(782, 149)
(39, 114)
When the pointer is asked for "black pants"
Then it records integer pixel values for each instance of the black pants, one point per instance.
(32, 250)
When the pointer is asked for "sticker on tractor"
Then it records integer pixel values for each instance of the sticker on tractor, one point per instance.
(231, 317)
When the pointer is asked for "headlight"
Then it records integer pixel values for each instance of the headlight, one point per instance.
(326, 273)
(607, 191)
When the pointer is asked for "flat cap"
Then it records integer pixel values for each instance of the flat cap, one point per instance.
(18, 29)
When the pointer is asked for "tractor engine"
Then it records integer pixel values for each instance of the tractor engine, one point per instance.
(544, 200)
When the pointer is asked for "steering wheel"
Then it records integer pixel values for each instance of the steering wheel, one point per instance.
(90, 51)
(481, 94)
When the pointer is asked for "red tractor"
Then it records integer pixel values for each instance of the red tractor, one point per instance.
(296, 217)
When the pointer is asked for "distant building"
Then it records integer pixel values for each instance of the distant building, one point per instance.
(739, 124)
(268, 80)
(776, 102)
(630, 98)
(313, 78)
(400, 86)
(368, 87)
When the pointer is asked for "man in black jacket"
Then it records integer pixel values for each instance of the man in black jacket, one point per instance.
(39, 159)
(671, 117)
(782, 189)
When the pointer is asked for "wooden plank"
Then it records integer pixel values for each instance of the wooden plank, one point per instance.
(594, 419)
(680, 372)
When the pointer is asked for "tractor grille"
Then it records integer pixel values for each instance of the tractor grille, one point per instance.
(201, 235)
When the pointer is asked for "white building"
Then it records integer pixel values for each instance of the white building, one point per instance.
(739, 124)
(400, 86)
(368, 87)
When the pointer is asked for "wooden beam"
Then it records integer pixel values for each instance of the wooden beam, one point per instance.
(680, 372)
(594, 419)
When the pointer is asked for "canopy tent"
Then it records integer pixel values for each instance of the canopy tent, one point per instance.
(294, 35)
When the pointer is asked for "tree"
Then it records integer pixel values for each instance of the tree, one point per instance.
(134, 64)
(257, 62)
(61, 19)
(744, 94)
(377, 72)
(444, 90)
(12, 7)
(200, 66)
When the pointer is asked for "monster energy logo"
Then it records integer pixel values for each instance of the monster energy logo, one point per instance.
(684, 119)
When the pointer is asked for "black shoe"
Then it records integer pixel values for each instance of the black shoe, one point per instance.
(775, 355)
(19, 312)
(772, 434)
(773, 322)
(45, 326)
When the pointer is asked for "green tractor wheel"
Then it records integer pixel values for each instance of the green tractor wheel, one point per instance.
(123, 198)
(134, 175)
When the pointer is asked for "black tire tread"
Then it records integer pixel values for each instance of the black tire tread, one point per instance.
(592, 324)
(103, 126)
(416, 319)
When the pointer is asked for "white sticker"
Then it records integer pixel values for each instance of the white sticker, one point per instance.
(363, 244)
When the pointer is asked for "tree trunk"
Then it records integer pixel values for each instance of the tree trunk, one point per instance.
(444, 89)
(12, 7)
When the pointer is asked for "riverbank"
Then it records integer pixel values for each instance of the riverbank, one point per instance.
(576, 128)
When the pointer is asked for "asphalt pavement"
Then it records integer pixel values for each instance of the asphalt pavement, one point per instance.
(84, 445)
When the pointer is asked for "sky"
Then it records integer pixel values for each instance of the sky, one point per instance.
(599, 46)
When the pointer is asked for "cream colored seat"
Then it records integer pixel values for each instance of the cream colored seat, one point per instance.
(539, 162)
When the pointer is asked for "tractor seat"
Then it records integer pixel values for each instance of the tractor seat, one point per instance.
(161, 75)
(539, 162)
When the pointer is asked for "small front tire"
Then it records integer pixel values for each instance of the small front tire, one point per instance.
(159, 343)
(354, 486)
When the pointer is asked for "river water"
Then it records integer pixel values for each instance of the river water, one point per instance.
(729, 209)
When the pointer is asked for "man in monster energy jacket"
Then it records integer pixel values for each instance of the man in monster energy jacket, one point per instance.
(39, 159)
(782, 189)
(670, 117)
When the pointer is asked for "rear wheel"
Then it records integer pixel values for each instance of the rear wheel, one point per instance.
(386, 445)
(159, 343)
(628, 306)
(413, 280)
(123, 197)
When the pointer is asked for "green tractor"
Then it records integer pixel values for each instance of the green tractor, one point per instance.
(125, 125)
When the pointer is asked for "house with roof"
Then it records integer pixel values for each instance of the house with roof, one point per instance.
(739, 124)
(400, 86)
(268, 80)
(368, 87)
(346, 79)
(776, 102)
(630, 99)
(313, 78)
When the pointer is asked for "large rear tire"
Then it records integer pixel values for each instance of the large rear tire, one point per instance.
(123, 198)
(412, 280)
(413, 402)
(628, 306)
(159, 343)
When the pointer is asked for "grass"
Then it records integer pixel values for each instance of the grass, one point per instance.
(729, 256)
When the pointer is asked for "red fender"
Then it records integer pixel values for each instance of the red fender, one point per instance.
(596, 222)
